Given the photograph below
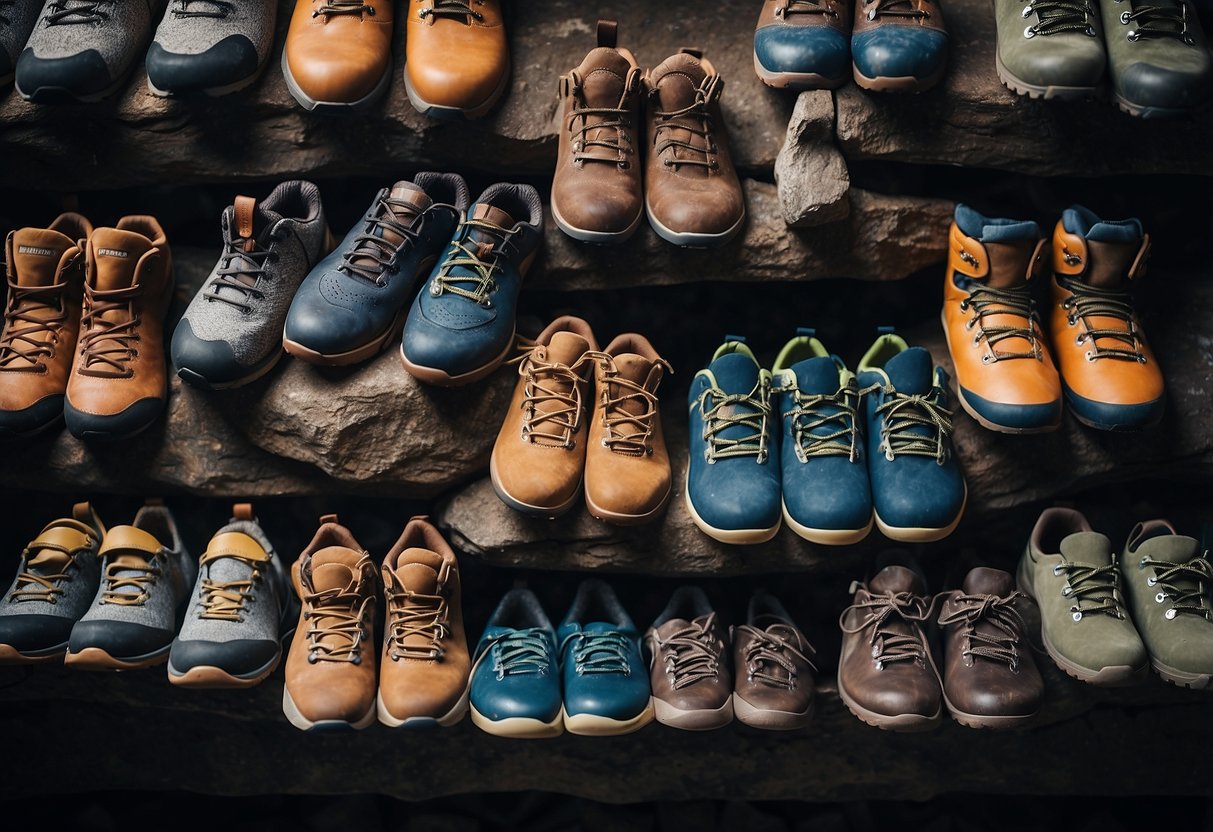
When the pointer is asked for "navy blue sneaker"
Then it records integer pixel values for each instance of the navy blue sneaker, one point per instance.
(515, 685)
(733, 478)
(918, 489)
(826, 495)
(353, 303)
(461, 326)
(606, 682)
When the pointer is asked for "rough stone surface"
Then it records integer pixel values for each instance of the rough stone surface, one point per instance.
(810, 172)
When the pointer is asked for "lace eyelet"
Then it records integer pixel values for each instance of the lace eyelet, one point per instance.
(1090, 356)
(1151, 581)
(1160, 597)
(1029, 32)
(311, 658)
(1076, 614)
(1124, 17)
(1170, 614)
(1133, 36)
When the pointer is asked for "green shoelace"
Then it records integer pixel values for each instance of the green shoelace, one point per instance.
(482, 280)
(722, 411)
(1055, 17)
(1184, 584)
(1089, 301)
(903, 414)
(605, 652)
(812, 412)
(1016, 302)
(1096, 585)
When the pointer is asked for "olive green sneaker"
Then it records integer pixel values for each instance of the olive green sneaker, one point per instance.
(1158, 57)
(1049, 48)
(1167, 580)
(1071, 572)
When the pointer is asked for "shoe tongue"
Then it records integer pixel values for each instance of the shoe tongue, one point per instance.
(566, 348)
(47, 561)
(116, 255)
(677, 80)
(1170, 548)
(911, 371)
(418, 570)
(487, 239)
(1010, 262)
(896, 579)
(633, 368)
(37, 253)
(736, 373)
(412, 194)
(817, 376)
(604, 75)
(334, 568)
(986, 581)
(1090, 548)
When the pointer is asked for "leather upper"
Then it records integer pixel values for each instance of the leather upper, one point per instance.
(1050, 53)
(339, 57)
(688, 654)
(516, 673)
(772, 659)
(453, 59)
(601, 663)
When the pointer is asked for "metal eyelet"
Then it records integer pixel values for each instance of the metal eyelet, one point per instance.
(1080, 339)
(1076, 613)
(1170, 614)
(1160, 597)
(1133, 36)
(1067, 590)
(1027, 10)
(1057, 570)
(1151, 581)
(1124, 17)
(1029, 32)
(1090, 356)
(987, 358)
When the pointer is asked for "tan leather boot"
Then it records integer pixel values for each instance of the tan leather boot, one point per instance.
(425, 663)
(119, 384)
(338, 53)
(457, 59)
(627, 467)
(45, 284)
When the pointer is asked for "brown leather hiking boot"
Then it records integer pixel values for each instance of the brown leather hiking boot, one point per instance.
(596, 193)
(425, 664)
(338, 53)
(119, 381)
(539, 458)
(627, 467)
(45, 284)
(688, 652)
(692, 194)
(773, 668)
(457, 58)
(330, 669)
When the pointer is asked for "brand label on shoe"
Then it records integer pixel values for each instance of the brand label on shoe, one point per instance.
(112, 252)
(41, 252)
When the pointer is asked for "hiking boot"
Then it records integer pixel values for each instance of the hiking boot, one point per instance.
(423, 672)
(1005, 377)
(242, 610)
(17, 19)
(338, 54)
(803, 44)
(691, 191)
(1112, 380)
(774, 686)
(918, 488)
(461, 325)
(331, 668)
(1071, 572)
(41, 322)
(827, 498)
(1049, 48)
(231, 333)
(899, 45)
(1158, 56)
(538, 460)
(627, 466)
(596, 191)
(733, 483)
(515, 685)
(688, 651)
(146, 575)
(118, 384)
(352, 304)
(214, 47)
(1166, 579)
(457, 58)
(56, 582)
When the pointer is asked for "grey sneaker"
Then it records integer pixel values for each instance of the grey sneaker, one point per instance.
(146, 574)
(55, 584)
(210, 46)
(242, 609)
(17, 19)
(84, 49)
(231, 333)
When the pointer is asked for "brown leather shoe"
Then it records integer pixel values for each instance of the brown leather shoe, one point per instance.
(691, 191)
(627, 467)
(596, 193)
(330, 669)
(990, 679)
(457, 60)
(774, 685)
(539, 458)
(119, 380)
(338, 53)
(886, 675)
(689, 669)
(423, 677)
(45, 284)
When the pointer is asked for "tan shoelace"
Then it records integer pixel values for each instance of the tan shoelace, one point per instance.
(775, 646)
(722, 411)
(691, 654)
(417, 614)
(337, 613)
(1000, 613)
(550, 382)
(146, 569)
(626, 433)
(225, 600)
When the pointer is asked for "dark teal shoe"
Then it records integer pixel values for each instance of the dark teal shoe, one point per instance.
(826, 495)
(461, 325)
(803, 44)
(918, 489)
(606, 682)
(899, 45)
(733, 478)
(515, 682)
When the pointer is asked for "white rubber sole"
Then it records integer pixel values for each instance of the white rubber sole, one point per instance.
(304, 724)
(593, 725)
(903, 534)
(452, 717)
(769, 720)
(698, 720)
(734, 537)
(601, 238)
(827, 537)
(518, 727)
(691, 239)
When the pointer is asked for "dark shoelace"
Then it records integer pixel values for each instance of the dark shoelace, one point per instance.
(24, 320)
(795, 7)
(1093, 301)
(106, 343)
(889, 615)
(336, 8)
(599, 652)
(1000, 614)
(894, 8)
(696, 119)
(453, 9)
(775, 646)
(69, 12)
(395, 215)
(1159, 22)
(610, 125)
(903, 414)
(722, 411)
(1095, 585)
(242, 268)
(1014, 302)
(1185, 585)
(692, 653)
(1056, 17)
(836, 413)
(217, 8)
(417, 614)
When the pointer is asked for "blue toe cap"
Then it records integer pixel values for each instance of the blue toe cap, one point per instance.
(899, 52)
(803, 49)
(1015, 416)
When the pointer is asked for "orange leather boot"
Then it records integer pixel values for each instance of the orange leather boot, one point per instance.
(338, 53)
(457, 59)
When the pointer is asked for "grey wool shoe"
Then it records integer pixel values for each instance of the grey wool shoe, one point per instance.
(17, 19)
(214, 47)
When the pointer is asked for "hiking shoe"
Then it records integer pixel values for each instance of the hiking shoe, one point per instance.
(1158, 57)
(231, 333)
(898, 45)
(803, 44)
(1049, 48)
(146, 575)
(689, 669)
(337, 57)
(17, 19)
(774, 687)
(242, 610)
(457, 57)
(56, 581)
(210, 46)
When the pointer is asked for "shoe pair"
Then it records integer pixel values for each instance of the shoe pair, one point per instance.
(886, 45)
(1155, 54)
(552, 441)
(700, 682)
(888, 677)
(1106, 618)
(1007, 377)
(101, 599)
(83, 328)
(689, 188)
(828, 451)
(334, 679)
(531, 681)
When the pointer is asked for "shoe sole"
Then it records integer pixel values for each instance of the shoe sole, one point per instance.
(827, 537)
(440, 112)
(452, 717)
(1047, 93)
(989, 722)
(616, 519)
(334, 107)
(1181, 678)
(94, 658)
(441, 378)
(769, 720)
(602, 238)
(209, 677)
(734, 537)
(900, 723)
(705, 719)
(195, 379)
(10, 655)
(796, 80)
(1145, 111)
(544, 512)
(13, 436)
(902, 534)
(213, 92)
(898, 84)
(691, 239)
(519, 727)
(593, 725)
(304, 724)
(1118, 428)
(51, 95)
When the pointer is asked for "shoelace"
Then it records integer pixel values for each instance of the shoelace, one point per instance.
(218, 8)
(1095, 585)
(775, 646)
(1016, 302)
(722, 411)
(626, 433)
(417, 614)
(68, 12)
(146, 569)
(894, 8)
(836, 413)
(1001, 614)
(1159, 22)
(1184, 584)
(600, 652)
(242, 270)
(383, 252)
(336, 8)
(550, 382)
(795, 7)
(30, 586)
(1057, 17)
(225, 600)
(335, 612)
(696, 119)
(24, 321)
(883, 613)
(1088, 301)
(104, 342)
(903, 413)
(608, 124)
(692, 653)
(518, 652)
(451, 8)
(482, 279)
